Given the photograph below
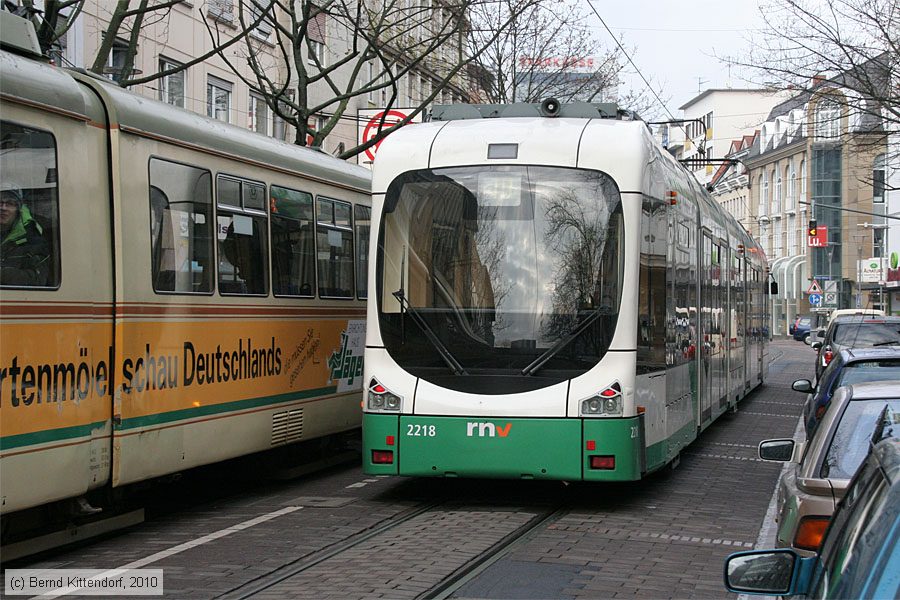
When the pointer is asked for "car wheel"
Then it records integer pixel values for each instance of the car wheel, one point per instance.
(806, 339)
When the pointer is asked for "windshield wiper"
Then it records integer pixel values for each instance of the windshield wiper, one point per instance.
(887, 343)
(541, 360)
(435, 341)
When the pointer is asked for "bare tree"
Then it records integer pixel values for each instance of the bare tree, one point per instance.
(383, 43)
(539, 52)
(127, 20)
(853, 45)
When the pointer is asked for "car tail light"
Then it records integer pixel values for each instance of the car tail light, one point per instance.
(810, 533)
(606, 463)
(383, 457)
(826, 357)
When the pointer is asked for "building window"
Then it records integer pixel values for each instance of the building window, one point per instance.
(371, 82)
(258, 114)
(803, 180)
(878, 179)
(218, 99)
(223, 10)
(316, 36)
(264, 29)
(792, 186)
(776, 203)
(280, 127)
(828, 119)
(764, 195)
(792, 236)
(171, 87)
(116, 60)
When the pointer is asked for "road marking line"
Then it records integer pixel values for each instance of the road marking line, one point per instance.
(692, 539)
(356, 485)
(759, 414)
(177, 549)
(732, 445)
(724, 456)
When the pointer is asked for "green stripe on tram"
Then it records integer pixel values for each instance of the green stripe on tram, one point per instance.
(223, 407)
(78, 431)
(48, 435)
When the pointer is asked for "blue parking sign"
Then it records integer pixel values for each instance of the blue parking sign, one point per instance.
(815, 299)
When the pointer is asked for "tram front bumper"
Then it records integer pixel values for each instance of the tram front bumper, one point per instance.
(503, 448)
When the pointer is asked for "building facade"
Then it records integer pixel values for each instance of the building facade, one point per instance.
(223, 89)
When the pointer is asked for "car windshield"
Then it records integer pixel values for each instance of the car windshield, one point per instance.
(501, 263)
(865, 334)
(850, 443)
(804, 321)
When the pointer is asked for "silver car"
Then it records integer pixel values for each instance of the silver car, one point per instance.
(824, 464)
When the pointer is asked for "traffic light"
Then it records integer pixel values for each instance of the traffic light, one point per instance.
(812, 228)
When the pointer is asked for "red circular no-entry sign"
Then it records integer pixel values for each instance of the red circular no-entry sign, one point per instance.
(392, 118)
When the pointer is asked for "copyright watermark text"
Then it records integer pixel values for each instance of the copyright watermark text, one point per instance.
(84, 582)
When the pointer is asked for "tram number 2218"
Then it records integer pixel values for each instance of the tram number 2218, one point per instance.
(421, 430)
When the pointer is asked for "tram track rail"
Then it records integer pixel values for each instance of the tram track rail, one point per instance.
(308, 561)
(473, 568)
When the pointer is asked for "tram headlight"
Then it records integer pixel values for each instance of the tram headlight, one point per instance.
(379, 398)
(607, 403)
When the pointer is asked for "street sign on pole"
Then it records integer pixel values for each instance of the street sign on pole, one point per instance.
(815, 299)
(820, 240)
(814, 288)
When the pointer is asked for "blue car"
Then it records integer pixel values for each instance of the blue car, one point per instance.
(801, 328)
(860, 554)
(856, 365)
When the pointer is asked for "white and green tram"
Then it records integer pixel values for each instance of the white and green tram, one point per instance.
(552, 296)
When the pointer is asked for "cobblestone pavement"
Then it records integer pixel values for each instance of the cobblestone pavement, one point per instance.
(665, 537)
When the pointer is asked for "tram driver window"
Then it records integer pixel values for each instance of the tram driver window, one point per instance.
(334, 243)
(293, 242)
(242, 237)
(29, 208)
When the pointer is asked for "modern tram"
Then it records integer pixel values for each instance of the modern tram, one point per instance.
(554, 297)
(183, 291)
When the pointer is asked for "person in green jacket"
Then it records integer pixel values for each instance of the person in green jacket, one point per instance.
(24, 253)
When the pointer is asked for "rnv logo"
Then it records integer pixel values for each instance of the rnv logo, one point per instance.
(487, 430)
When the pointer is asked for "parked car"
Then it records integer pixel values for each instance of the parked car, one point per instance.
(793, 326)
(801, 328)
(824, 463)
(860, 552)
(840, 312)
(855, 331)
(857, 365)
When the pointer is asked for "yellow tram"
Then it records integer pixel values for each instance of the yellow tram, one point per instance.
(197, 291)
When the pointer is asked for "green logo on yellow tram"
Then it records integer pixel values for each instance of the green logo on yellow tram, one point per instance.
(345, 364)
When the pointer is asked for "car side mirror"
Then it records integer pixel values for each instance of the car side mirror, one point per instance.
(777, 450)
(816, 345)
(772, 572)
(820, 334)
(802, 385)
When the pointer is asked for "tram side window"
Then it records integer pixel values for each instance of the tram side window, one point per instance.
(180, 228)
(29, 208)
(363, 227)
(293, 243)
(334, 242)
(242, 236)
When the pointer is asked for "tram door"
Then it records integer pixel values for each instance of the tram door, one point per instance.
(707, 350)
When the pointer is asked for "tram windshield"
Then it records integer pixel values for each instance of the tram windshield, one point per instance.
(497, 279)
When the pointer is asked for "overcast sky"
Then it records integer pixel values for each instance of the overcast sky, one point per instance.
(675, 42)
